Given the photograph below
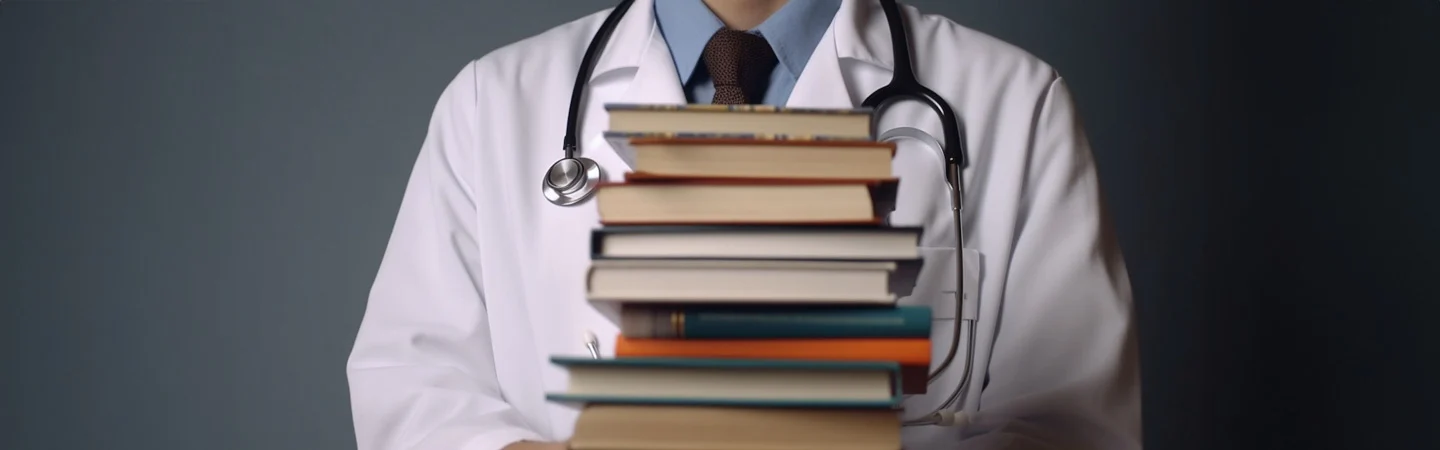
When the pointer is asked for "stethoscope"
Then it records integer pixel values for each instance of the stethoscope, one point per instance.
(573, 179)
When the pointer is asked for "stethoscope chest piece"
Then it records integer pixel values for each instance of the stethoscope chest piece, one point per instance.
(571, 180)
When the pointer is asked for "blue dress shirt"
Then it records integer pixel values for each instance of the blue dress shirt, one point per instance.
(793, 32)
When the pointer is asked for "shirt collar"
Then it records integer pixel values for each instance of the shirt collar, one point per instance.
(792, 32)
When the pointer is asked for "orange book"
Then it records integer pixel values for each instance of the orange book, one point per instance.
(906, 351)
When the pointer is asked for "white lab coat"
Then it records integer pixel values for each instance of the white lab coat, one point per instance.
(482, 280)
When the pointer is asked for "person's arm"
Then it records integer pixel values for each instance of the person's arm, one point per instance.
(422, 375)
(1065, 370)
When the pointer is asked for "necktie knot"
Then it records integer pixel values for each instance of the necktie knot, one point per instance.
(739, 65)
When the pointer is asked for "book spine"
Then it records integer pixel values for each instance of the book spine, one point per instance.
(906, 351)
(725, 323)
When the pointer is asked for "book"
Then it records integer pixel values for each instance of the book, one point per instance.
(862, 242)
(750, 281)
(751, 258)
(730, 382)
(774, 121)
(670, 427)
(900, 334)
(906, 351)
(700, 322)
(646, 200)
(749, 156)
(913, 354)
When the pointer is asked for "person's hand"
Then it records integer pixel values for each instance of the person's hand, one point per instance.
(529, 445)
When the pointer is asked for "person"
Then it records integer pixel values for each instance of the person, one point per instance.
(483, 279)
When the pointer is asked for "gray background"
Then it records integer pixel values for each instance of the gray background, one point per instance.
(195, 196)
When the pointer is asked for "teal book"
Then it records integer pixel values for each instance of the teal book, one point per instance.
(731, 382)
(742, 322)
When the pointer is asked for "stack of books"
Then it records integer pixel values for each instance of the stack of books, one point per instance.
(757, 278)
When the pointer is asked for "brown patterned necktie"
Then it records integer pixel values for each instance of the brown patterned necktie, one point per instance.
(739, 64)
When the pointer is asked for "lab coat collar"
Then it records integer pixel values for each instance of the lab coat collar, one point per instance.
(862, 34)
(631, 40)
(637, 44)
(859, 32)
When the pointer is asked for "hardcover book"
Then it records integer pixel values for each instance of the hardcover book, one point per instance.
(856, 123)
(731, 382)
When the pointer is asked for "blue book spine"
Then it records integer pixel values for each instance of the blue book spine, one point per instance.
(771, 323)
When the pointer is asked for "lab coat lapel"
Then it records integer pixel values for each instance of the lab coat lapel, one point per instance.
(860, 52)
(822, 84)
(654, 81)
(627, 63)
(635, 67)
